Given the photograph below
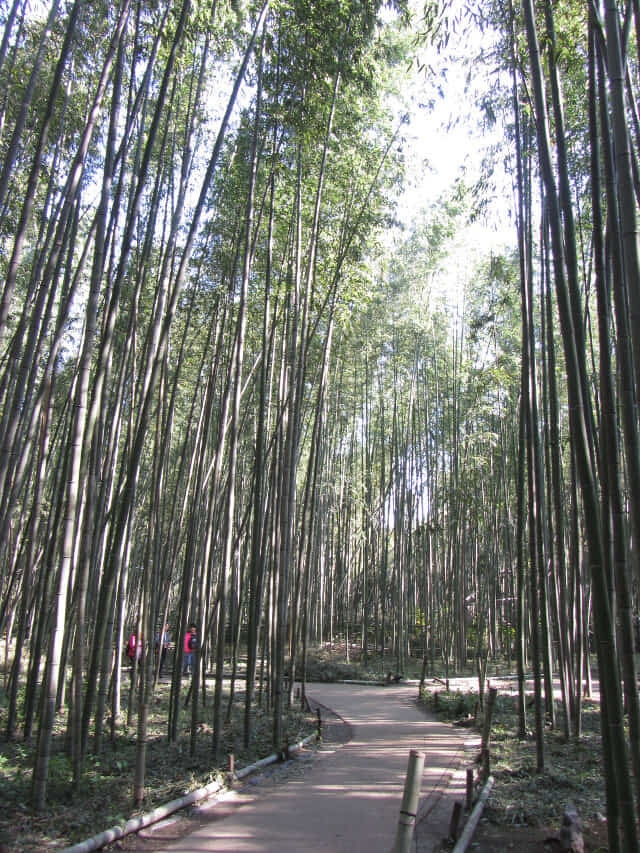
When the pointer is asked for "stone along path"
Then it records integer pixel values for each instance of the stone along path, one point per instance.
(346, 800)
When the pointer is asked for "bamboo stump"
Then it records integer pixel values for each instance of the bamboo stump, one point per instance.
(571, 840)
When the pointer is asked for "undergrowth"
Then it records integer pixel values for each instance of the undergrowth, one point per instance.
(521, 796)
(330, 664)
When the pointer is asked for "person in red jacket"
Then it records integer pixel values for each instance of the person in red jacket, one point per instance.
(134, 653)
(190, 643)
(134, 648)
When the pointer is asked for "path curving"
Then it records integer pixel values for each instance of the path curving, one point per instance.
(347, 799)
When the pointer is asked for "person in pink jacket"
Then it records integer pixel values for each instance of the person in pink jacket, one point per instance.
(190, 642)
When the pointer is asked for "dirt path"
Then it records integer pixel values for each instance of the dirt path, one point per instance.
(344, 797)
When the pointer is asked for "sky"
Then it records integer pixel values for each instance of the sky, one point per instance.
(448, 134)
(447, 138)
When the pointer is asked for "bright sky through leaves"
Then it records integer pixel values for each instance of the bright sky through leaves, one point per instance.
(449, 139)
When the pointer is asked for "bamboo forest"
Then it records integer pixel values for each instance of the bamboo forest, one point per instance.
(251, 394)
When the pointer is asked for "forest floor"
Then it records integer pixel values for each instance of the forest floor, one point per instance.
(524, 810)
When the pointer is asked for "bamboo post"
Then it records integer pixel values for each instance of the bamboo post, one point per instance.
(454, 824)
(469, 788)
(407, 818)
(474, 818)
(485, 757)
(486, 725)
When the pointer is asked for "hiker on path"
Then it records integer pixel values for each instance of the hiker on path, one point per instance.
(190, 643)
(134, 648)
(134, 654)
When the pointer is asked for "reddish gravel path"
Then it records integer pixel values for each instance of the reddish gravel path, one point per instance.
(344, 797)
